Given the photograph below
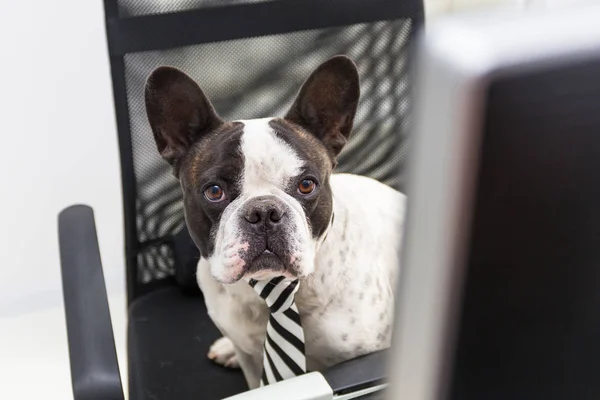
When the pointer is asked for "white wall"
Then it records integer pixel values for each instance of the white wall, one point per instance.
(58, 148)
(437, 7)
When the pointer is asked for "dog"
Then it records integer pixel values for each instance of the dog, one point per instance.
(261, 201)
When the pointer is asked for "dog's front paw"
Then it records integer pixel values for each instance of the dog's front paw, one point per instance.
(223, 353)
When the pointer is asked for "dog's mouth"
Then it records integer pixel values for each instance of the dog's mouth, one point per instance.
(266, 260)
(267, 264)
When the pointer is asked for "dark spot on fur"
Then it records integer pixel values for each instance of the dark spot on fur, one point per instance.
(388, 328)
(316, 338)
(382, 316)
(326, 307)
(345, 337)
(345, 228)
(352, 321)
(343, 256)
(323, 278)
(380, 337)
(361, 295)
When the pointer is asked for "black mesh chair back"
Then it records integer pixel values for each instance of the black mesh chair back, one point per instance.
(250, 58)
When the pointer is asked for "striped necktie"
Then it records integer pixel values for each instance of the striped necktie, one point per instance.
(283, 355)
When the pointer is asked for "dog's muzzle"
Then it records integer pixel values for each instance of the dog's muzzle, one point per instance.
(267, 226)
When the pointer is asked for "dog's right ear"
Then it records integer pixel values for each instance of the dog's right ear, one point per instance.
(178, 111)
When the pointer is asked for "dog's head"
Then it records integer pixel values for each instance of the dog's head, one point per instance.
(256, 193)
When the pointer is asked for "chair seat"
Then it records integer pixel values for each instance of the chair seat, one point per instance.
(169, 335)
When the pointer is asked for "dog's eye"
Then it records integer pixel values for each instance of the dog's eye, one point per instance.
(214, 193)
(306, 186)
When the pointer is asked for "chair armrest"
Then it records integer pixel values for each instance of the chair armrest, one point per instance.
(92, 353)
(358, 373)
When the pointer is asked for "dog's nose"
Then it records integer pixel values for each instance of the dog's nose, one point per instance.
(263, 210)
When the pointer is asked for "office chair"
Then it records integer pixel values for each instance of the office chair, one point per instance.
(250, 58)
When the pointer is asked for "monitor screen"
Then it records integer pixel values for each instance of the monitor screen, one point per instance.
(529, 324)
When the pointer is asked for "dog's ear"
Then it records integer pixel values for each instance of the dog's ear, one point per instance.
(178, 111)
(327, 102)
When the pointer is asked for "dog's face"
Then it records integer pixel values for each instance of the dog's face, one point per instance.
(256, 193)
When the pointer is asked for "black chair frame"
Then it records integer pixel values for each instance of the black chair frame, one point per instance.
(94, 367)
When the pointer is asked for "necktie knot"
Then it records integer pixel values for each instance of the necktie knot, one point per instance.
(278, 293)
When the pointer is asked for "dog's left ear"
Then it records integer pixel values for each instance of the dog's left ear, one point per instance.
(327, 103)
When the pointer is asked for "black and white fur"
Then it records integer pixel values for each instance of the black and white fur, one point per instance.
(342, 240)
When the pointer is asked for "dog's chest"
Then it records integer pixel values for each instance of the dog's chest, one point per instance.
(345, 310)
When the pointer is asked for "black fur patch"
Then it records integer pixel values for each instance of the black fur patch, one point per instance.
(216, 159)
(319, 164)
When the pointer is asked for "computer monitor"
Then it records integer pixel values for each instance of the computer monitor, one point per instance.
(500, 289)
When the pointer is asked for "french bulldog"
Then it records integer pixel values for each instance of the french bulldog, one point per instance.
(261, 200)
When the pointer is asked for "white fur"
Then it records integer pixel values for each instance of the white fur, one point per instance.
(346, 301)
(222, 352)
(269, 161)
